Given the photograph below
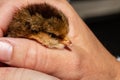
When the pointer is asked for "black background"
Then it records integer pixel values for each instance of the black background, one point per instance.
(106, 28)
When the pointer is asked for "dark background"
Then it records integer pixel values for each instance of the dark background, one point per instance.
(105, 23)
(106, 28)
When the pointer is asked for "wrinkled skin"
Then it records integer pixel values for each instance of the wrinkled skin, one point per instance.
(87, 60)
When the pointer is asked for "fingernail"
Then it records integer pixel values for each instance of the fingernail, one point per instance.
(5, 51)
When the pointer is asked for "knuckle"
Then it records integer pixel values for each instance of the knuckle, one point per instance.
(42, 60)
(31, 56)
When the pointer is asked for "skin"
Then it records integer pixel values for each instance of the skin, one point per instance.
(87, 60)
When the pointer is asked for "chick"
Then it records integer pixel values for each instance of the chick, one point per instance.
(42, 23)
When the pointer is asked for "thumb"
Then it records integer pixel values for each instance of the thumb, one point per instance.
(23, 74)
(29, 54)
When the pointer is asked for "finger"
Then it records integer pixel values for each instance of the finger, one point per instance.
(30, 54)
(7, 10)
(5, 17)
(23, 74)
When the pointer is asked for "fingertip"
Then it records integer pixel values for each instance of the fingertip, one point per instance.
(7, 10)
(6, 13)
(5, 51)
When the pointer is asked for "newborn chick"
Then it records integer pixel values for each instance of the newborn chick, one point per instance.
(42, 23)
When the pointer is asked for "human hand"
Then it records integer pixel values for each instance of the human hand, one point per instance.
(87, 60)
(23, 74)
(12, 73)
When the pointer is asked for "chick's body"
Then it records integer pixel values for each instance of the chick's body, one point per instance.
(50, 32)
